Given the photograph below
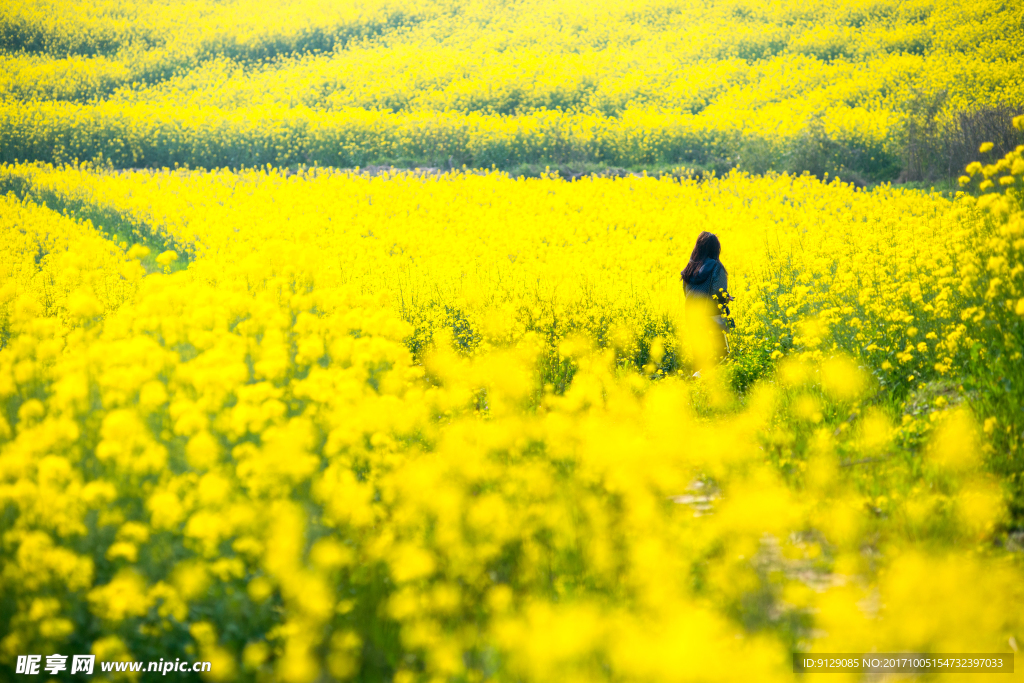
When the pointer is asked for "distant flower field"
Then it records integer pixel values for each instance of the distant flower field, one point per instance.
(271, 415)
(869, 90)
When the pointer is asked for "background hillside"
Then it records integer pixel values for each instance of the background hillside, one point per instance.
(871, 90)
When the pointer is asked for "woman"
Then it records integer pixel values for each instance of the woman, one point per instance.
(706, 284)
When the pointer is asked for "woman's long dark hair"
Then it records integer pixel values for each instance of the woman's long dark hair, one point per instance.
(707, 247)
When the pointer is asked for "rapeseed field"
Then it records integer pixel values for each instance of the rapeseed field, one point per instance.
(867, 89)
(442, 428)
(299, 422)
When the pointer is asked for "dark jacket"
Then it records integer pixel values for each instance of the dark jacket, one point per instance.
(707, 283)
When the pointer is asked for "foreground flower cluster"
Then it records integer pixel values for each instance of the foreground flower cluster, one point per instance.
(442, 428)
